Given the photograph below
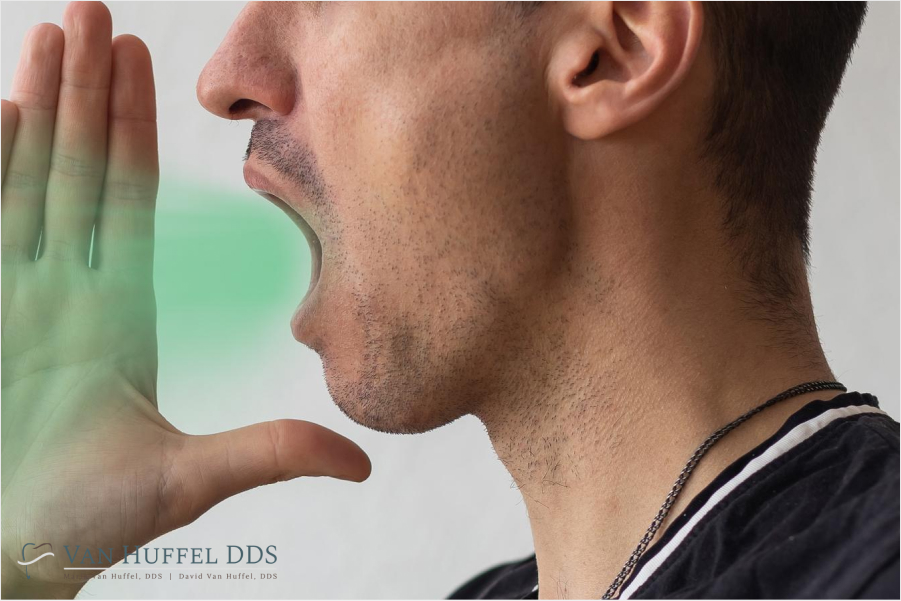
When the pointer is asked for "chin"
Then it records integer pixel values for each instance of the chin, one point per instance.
(400, 403)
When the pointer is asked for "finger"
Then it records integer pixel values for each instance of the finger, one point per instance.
(124, 231)
(10, 114)
(213, 468)
(35, 91)
(78, 157)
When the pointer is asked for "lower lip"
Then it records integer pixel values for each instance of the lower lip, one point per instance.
(303, 318)
(315, 266)
(302, 322)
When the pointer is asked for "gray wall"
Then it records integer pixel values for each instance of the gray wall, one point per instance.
(439, 507)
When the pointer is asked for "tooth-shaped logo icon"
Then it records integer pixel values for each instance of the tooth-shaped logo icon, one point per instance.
(38, 558)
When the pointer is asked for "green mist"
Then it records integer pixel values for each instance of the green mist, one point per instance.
(228, 267)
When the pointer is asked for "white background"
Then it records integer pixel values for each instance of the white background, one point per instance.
(439, 507)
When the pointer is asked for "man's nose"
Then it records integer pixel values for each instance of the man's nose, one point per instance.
(251, 75)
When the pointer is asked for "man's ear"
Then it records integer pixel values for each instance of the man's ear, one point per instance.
(613, 63)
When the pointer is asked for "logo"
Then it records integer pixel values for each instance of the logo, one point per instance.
(38, 558)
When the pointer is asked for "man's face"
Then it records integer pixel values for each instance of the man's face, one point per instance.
(417, 143)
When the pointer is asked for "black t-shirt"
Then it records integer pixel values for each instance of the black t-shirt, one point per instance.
(812, 512)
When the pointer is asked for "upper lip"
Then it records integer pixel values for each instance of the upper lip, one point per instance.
(258, 182)
(268, 189)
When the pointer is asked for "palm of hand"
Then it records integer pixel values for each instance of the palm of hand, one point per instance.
(79, 374)
(87, 459)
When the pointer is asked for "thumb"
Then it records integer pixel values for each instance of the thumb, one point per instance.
(209, 469)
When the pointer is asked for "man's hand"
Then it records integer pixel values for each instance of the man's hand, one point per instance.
(87, 458)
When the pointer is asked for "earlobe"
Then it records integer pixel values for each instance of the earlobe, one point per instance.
(619, 60)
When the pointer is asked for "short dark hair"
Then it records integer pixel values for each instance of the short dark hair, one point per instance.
(778, 67)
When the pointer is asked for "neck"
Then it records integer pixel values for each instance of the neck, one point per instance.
(607, 414)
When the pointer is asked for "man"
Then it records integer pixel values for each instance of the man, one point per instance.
(585, 224)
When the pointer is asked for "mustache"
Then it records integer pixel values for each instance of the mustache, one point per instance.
(271, 144)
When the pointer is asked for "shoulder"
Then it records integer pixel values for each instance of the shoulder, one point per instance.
(821, 520)
(512, 580)
(836, 512)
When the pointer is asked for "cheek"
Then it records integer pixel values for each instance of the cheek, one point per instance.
(444, 181)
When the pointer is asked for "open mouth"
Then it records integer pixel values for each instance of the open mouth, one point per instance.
(308, 233)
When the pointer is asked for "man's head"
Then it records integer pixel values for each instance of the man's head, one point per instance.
(481, 178)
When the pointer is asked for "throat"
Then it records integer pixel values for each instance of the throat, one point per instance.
(595, 471)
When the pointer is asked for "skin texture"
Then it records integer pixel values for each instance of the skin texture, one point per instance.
(514, 222)
(403, 200)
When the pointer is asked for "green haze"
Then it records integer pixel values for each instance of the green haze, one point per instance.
(228, 267)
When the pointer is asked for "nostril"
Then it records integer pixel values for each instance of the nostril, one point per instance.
(240, 107)
(252, 74)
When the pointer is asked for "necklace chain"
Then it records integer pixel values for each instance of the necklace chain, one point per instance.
(693, 461)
